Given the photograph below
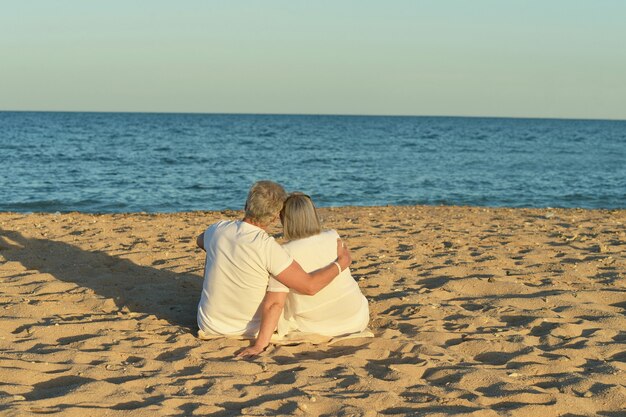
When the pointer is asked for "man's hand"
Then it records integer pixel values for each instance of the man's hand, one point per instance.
(251, 351)
(343, 255)
(200, 241)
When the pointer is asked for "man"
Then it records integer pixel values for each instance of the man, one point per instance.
(240, 257)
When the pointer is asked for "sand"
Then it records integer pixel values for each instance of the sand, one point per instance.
(475, 311)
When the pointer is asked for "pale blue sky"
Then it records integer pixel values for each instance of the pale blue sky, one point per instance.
(524, 58)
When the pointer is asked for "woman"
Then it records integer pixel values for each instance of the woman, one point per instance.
(339, 309)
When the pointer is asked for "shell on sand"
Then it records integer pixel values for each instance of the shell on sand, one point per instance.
(475, 311)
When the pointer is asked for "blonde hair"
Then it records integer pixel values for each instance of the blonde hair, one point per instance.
(299, 217)
(264, 202)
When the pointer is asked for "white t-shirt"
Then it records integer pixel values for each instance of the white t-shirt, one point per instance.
(240, 258)
(338, 309)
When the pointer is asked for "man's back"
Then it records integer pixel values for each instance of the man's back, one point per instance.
(239, 259)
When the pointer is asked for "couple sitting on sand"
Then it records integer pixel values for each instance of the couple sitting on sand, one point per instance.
(254, 286)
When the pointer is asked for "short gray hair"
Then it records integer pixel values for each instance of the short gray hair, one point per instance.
(299, 217)
(264, 202)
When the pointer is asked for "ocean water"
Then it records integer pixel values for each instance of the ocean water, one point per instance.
(130, 162)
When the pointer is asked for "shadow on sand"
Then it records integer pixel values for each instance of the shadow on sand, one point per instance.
(168, 295)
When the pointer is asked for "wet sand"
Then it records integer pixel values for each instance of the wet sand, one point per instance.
(476, 312)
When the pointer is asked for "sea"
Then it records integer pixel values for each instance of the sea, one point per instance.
(158, 162)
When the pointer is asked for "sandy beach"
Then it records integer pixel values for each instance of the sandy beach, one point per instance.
(475, 311)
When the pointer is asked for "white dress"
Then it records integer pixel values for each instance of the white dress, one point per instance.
(338, 309)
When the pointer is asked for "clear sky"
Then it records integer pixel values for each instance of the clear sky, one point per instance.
(518, 58)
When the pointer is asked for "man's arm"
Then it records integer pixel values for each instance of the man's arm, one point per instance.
(297, 279)
(200, 241)
(271, 307)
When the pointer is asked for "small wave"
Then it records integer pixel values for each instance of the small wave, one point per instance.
(169, 161)
(50, 206)
(39, 205)
(200, 187)
(314, 161)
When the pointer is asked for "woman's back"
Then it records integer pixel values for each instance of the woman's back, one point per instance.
(338, 309)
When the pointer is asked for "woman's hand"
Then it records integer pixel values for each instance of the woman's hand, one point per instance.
(343, 255)
(251, 351)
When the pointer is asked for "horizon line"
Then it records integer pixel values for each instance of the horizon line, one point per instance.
(312, 114)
